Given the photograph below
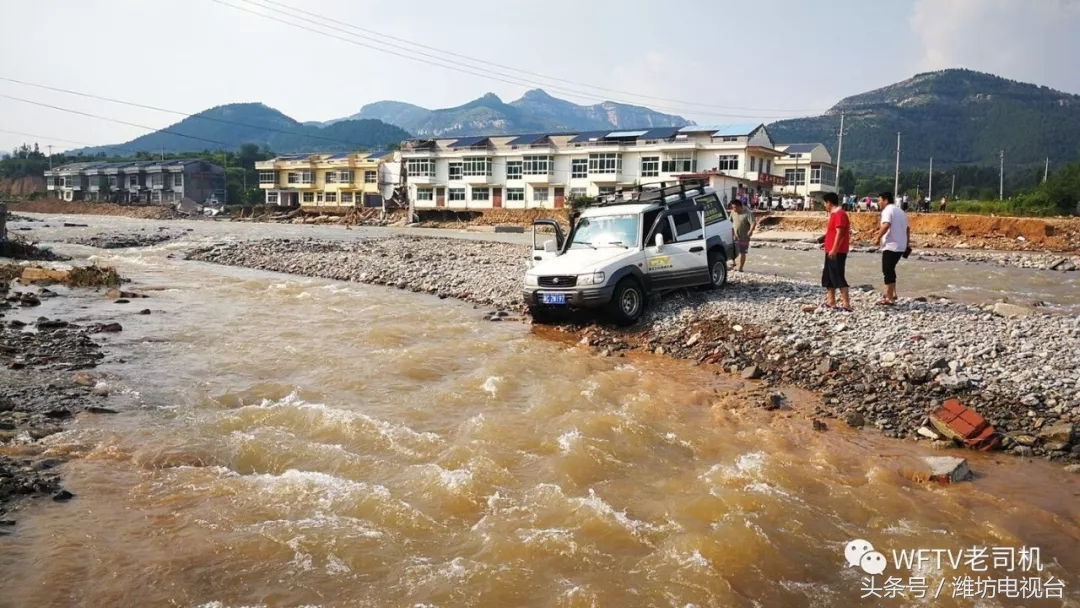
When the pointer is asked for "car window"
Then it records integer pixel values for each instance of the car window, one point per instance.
(649, 219)
(714, 211)
(687, 225)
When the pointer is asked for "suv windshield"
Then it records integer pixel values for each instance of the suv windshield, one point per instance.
(606, 231)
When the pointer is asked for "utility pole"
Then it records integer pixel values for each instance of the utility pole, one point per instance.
(896, 179)
(1001, 176)
(839, 151)
(930, 187)
(225, 165)
(1046, 170)
(50, 158)
(952, 192)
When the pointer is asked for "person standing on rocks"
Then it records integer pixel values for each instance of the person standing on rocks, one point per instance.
(892, 239)
(837, 244)
(742, 226)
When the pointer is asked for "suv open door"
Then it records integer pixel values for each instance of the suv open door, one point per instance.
(544, 246)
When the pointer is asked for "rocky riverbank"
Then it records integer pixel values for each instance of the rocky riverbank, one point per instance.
(127, 240)
(883, 367)
(45, 380)
(1033, 261)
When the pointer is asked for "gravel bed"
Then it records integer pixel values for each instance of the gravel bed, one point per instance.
(882, 367)
(1034, 261)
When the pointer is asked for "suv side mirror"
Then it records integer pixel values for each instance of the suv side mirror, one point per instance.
(550, 246)
(659, 241)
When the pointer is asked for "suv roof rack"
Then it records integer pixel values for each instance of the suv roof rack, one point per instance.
(656, 193)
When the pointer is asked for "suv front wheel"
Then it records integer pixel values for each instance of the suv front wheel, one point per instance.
(717, 270)
(627, 302)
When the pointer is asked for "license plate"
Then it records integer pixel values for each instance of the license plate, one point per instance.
(554, 298)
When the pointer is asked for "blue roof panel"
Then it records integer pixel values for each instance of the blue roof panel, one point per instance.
(660, 133)
(625, 134)
(340, 156)
(524, 140)
(586, 136)
(466, 142)
(377, 153)
(735, 130)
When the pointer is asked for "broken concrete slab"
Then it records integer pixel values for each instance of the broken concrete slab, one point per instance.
(948, 469)
(33, 274)
(1011, 311)
(964, 425)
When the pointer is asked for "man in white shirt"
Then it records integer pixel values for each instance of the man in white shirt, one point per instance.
(893, 240)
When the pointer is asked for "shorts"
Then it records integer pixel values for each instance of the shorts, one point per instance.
(889, 260)
(832, 274)
(743, 246)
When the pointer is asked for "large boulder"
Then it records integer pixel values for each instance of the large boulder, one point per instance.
(1058, 436)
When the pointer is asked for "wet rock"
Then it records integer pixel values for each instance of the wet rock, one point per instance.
(751, 372)
(819, 425)
(1058, 436)
(144, 311)
(108, 328)
(774, 401)
(62, 495)
(122, 301)
(854, 419)
(1072, 468)
(1003, 309)
(93, 409)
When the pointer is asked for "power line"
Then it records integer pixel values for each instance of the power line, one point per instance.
(502, 66)
(491, 75)
(177, 112)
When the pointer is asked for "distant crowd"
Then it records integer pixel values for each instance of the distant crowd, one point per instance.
(850, 203)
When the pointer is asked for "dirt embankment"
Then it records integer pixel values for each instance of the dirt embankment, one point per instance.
(947, 230)
(87, 208)
(21, 186)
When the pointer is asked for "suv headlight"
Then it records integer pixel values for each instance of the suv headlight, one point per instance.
(596, 278)
(531, 280)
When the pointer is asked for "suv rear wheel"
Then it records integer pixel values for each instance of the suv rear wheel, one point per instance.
(717, 270)
(627, 302)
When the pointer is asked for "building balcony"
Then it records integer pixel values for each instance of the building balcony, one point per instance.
(479, 180)
(422, 179)
(609, 178)
(268, 186)
(543, 178)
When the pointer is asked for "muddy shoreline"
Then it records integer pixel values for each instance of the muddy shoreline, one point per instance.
(881, 368)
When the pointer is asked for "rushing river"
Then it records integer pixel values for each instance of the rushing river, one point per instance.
(307, 442)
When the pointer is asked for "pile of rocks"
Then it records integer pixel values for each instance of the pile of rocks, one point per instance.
(128, 240)
(883, 366)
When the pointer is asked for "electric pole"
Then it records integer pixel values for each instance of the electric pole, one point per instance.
(1046, 170)
(839, 151)
(1001, 176)
(50, 158)
(952, 192)
(930, 187)
(896, 179)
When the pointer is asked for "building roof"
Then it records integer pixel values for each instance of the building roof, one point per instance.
(467, 142)
(378, 153)
(797, 148)
(524, 140)
(586, 136)
(625, 134)
(660, 133)
(733, 130)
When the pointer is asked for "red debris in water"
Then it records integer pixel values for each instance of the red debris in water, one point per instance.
(963, 424)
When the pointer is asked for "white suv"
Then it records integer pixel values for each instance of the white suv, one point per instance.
(623, 250)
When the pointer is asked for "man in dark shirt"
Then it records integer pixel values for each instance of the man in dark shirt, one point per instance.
(837, 244)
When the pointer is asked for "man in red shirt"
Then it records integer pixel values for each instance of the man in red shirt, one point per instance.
(837, 243)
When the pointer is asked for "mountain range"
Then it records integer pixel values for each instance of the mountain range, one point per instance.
(955, 116)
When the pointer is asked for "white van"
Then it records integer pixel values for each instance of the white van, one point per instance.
(622, 250)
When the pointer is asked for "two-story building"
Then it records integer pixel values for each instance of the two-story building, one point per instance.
(546, 169)
(328, 181)
(138, 182)
(808, 170)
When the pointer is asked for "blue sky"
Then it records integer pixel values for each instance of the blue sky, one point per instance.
(711, 61)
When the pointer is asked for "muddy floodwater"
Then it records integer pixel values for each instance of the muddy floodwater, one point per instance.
(298, 442)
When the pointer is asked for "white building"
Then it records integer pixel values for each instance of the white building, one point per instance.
(546, 169)
(808, 170)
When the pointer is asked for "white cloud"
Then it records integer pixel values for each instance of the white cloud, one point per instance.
(1029, 40)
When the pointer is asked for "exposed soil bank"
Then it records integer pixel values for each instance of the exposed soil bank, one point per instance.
(936, 230)
(883, 367)
(149, 212)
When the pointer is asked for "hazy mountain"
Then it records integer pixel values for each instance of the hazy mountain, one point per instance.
(232, 125)
(535, 111)
(955, 116)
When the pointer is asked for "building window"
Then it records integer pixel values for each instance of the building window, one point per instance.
(513, 169)
(306, 177)
(753, 163)
(425, 194)
(178, 180)
(112, 181)
(331, 177)
(455, 171)
(346, 197)
(515, 194)
(815, 175)
(133, 181)
(481, 194)
(605, 163)
(331, 197)
(540, 195)
(370, 177)
(157, 180)
(456, 194)
(650, 166)
(680, 162)
(267, 177)
(293, 178)
(729, 139)
(727, 162)
(345, 177)
(420, 167)
(318, 197)
(476, 166)
(579, 168)
(606, 191)
(795, 177)
(538, 165)
(577, 192)
(768, 166)
(309, 197)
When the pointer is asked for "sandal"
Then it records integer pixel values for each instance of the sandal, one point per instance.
(884, 302)
(844, 309)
